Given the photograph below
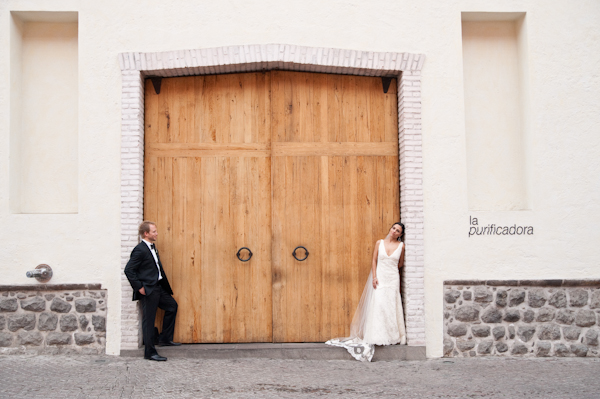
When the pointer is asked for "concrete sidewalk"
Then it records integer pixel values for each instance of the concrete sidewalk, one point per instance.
(304, 351)
(24, 376)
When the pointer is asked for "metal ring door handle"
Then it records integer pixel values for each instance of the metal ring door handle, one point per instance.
(240, 251)
(305, 256)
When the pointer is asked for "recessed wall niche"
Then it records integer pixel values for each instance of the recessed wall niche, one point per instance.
(44, 112)
(496, 89)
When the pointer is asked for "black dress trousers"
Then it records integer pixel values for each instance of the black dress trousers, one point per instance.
(158, 298)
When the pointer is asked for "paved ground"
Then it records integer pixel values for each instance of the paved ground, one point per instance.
(119, 377)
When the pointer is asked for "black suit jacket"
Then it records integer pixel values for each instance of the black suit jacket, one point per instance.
(141, 271)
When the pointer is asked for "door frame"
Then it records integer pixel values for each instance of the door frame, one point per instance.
(405, 67)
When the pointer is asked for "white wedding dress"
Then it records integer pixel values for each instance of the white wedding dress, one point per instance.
(379, 319)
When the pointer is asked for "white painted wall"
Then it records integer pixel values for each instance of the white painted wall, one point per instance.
(564, 141)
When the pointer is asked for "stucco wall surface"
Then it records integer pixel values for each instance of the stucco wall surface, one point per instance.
(563, 146)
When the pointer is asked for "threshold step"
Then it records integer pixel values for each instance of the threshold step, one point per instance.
(305, 351)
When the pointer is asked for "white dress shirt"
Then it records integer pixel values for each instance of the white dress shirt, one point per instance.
(149, 244)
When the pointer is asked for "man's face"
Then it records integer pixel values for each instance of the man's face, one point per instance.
(152, 235)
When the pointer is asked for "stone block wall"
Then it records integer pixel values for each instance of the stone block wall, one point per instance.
(53, 319)
(521, 318)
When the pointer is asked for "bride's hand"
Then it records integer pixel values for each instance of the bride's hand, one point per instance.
(375, 282)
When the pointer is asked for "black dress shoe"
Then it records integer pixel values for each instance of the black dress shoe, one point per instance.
(169, 343)
(157, 358)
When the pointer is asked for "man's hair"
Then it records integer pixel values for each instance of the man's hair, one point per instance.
(145, 227)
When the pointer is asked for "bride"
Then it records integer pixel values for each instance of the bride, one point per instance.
(379, 319)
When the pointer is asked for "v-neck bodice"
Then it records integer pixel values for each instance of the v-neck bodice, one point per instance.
(382, 244)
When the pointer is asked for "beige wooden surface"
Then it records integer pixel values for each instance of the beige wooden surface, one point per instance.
(335, 192)
(208, 187)
(269, 161)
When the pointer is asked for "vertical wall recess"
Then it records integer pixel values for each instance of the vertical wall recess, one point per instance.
(44, 112)
(495, 88)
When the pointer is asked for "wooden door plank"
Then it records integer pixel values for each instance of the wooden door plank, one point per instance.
(151, 132)
(221, 111)
(333, 108)
(209, 105)
(388, 192)
(164, 218)
(279, 174)
(251, 232)
(311, 320)
(195, 134)
(376, 117)
(151, 99)
(305, 238)
(176, 88)
(244, 305)
(325, 254)
(303, 100)
(291, 127)
(334, 148)
(194, 225)
(364, 223)
(178, 256)
(278, 116)
(209, 150)
(319, 108)
(291, 234)
(150, 189)
(263, 211)
(336, 223)
(264, 116)
(187, 128)
(363, 133)
(227, 249)
(352, 240)
(163, 117)
(210, 185)
(236, 108)
(249, 95)
(348, 109)
(262, 310)
(379, 197)
(391, 113)
(234, 231)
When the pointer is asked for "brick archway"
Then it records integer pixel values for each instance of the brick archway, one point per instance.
(406, 67)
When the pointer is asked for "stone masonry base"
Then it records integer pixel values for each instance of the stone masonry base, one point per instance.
(53, 319)
(521, 318)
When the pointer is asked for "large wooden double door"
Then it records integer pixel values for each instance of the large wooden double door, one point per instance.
(269, 161)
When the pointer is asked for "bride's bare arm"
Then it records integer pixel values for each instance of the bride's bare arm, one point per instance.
(374, 264)
(401, 262)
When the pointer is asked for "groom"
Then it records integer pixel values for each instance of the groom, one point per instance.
(150, 285)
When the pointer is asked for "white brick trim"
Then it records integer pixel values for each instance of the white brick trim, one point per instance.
(404, 66)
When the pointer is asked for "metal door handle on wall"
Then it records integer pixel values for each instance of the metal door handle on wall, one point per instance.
(240, 251)
(305, 256)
